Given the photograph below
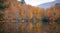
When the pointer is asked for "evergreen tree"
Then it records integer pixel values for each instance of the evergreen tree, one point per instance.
(3, 5)
(22, 1)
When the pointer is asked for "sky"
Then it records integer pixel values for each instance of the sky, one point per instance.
(37, 2)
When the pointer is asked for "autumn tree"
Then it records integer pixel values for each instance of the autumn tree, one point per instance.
(3, 6)
(57, 8)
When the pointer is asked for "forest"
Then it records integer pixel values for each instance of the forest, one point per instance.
(17, 17)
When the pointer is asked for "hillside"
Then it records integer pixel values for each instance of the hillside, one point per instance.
(13, 15)
(49, 4)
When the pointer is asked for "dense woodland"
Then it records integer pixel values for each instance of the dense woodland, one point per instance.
(21, 18)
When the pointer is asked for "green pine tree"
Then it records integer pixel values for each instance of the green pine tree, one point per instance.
(22, 2)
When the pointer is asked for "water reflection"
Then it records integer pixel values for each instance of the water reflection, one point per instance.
(32, 26)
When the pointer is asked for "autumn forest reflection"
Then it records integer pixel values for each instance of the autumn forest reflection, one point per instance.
(17, 17)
